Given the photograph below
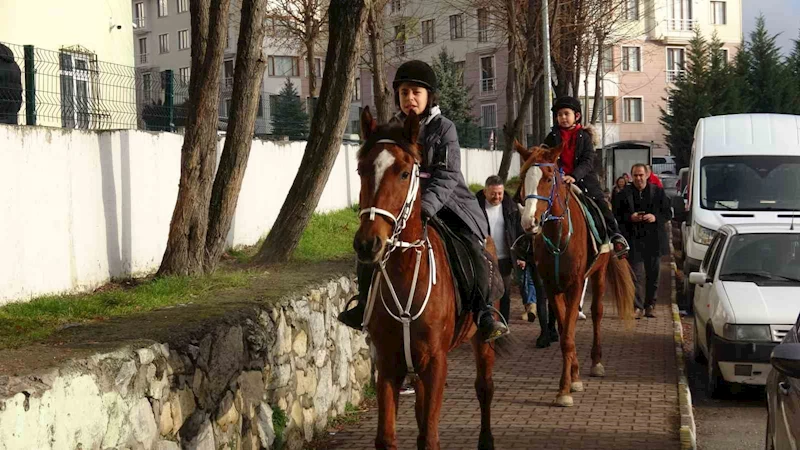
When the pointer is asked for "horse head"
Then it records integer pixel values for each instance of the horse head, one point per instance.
(388, 165)
(541, 186)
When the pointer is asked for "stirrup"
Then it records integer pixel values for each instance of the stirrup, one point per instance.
(499, 333)
(625, 246)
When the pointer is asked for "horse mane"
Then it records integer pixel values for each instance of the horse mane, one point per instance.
(393, 131)
(537, 154)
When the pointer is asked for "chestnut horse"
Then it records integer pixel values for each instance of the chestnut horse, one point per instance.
(563, 253)
(411, 314)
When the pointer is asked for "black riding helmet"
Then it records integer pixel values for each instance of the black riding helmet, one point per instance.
(419, 73)
(568, 102)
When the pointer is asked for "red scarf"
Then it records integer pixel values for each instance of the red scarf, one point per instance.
(569, 140)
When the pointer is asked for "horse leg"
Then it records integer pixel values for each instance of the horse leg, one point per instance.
(433, 379)
(598, 291)
(484, 388)
(567, 314)
(388, 401)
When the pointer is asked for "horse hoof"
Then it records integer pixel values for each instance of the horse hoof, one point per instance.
(576, 387)
(598, 371)
(564, 401)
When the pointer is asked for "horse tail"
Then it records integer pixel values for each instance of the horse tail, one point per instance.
(619, 275)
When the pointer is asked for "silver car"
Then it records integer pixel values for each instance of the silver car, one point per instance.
(783, 394)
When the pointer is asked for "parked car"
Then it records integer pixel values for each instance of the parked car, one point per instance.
(744, 168)
(783, 393)
(663, 164)
(746, 299)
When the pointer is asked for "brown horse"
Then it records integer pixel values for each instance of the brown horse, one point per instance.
(563, 254)
(411, 314)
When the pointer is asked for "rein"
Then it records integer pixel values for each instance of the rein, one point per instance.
(404, 315)
(555, 249)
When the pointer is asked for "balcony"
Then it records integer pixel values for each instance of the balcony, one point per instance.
(681, 24)
(488, 86)
(142, 58)
(674, 74)
(139, 24)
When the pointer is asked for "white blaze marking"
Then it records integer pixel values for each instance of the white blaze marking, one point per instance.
(384, 160)
(532, 178)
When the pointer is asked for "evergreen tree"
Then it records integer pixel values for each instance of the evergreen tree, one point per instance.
(723, 95)
(454, 98)
(767, 80)
(289, 118)
(688, 101)
(793, 69)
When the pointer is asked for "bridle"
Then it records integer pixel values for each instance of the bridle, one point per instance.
(555, 248)
(399, 222)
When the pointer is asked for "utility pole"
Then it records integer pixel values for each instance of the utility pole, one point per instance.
(548, 85)
(603, 155)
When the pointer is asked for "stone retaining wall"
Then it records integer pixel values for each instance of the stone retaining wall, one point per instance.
(222, 391)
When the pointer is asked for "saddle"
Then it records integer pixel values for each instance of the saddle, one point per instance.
(598, 230)
(462, 267)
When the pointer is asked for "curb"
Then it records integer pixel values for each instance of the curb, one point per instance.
(688, 429)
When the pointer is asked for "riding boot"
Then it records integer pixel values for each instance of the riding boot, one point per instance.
(619, 242)
(489, 328)
(354, 316)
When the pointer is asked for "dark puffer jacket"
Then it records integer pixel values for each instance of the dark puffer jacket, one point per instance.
(446, 188)
(10, 86)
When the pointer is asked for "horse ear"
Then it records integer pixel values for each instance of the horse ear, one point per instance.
(411, 127)
(552, 154)
(368, 124)
(524, 153)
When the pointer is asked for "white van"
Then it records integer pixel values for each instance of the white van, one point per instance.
(744, 168)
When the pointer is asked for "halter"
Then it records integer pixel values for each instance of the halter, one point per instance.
(400, 221)
(556, 248)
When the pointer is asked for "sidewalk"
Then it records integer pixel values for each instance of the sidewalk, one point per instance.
(635, 406)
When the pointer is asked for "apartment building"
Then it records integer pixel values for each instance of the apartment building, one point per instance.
(647, 55)
(162, 41)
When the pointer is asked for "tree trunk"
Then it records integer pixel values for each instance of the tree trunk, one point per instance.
(250, 64)
(379, 86)
(509, 131)
(330, 119)
(312, 70)
(597, 81)
(186, 242)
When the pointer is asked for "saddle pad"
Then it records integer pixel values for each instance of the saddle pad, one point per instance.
(461, 266)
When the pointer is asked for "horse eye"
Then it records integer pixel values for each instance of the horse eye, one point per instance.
(405, 175)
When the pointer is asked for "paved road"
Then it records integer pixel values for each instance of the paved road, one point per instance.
(634, 407)
(736, 422)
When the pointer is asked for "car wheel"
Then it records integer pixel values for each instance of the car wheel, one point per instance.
(697, 352)
(715, 384)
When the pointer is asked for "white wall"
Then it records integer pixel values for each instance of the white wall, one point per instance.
(79, 208)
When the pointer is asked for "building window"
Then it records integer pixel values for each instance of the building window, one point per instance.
(489, 116)
(183, 75)
(488, 85)
(609, 110)
(75, 90)
(718, 16)
(608, 59)
(147, 86)
(283, 66)
(676, 60)
(457, 26)
(631, 59)
(460, 67)
(632, 109)
(162, 8)
(138, 15)
(163, 43)
(679, 13)
(356, 91)
(632, 10)
(260, 110)
(483, 25)
(183, 6)
(725, 55)
(396, 5)
(227, 72)
(400, 40)
(183, 39)
(428, 32)
(143, 50)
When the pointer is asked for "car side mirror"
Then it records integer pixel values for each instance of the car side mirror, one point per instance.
(698, 278)
(785, 359)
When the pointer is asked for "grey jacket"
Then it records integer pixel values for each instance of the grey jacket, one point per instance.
(446, 187)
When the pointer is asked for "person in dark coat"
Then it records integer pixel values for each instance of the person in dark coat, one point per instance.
(444, 195)
(646, 209)
(10, 86)
(577, 162)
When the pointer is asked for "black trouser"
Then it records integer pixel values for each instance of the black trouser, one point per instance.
(591, 186)
(507, 271)
(646, 262)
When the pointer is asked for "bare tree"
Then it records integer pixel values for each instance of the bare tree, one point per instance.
(330, 119)
(377, 60)
(250, 63)
(186, 242)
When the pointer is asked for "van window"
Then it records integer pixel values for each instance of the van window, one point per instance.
(750, 183)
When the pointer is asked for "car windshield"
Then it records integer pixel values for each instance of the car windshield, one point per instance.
(750, 183)
(762, 258)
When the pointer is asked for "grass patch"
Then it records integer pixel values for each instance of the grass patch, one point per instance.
(328, 236)
(369, 392)
(279, 422)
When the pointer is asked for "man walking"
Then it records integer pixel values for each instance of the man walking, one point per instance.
(646, 209)
(504, 226)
